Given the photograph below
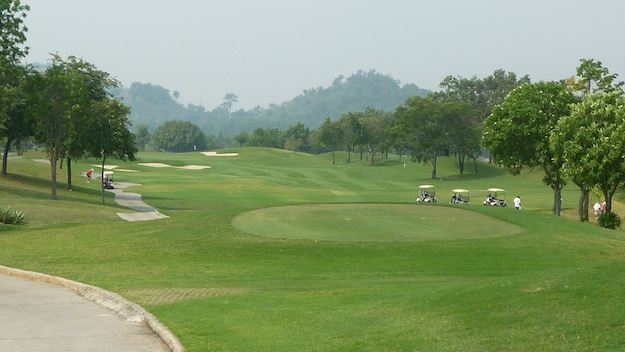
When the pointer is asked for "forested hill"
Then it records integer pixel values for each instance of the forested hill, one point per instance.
(152, 105)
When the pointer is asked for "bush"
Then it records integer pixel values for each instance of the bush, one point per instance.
(11, 216)
(609, 220)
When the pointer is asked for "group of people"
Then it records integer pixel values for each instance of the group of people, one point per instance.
(599, 209)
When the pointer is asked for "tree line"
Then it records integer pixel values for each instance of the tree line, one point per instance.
(67, 108)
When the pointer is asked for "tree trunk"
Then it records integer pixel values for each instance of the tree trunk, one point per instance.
(475, 163)
(434, 166)
(69, 173)
(372, 152)
(582, 207)
(461, 158)
(5, 157)
(53, 173)
(557, 200)
(102, 178)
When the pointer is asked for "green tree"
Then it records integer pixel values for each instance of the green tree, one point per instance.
(424, 126)
(518, 130)
(592, 141)
(54, 100)
(110, 135)
(481, 96)
(91, 87)
(373, 125)
(352, 130)
(18, 124)
(229, 101)
(266, 137)
(142, 136)
(242, 138)
(12, 51)
(591, 78)
(331, 136)
(296, 137)
(178, 136)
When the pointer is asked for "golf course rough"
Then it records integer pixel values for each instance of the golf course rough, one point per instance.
(372, 222)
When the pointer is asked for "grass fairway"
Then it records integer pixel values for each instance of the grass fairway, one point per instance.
(258, 255)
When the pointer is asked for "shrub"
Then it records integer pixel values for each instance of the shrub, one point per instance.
(609, 220)
(11, 216)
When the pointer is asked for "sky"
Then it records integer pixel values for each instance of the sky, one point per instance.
(270, 51)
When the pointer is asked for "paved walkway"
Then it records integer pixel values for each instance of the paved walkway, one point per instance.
(134, 201)
(40, 316)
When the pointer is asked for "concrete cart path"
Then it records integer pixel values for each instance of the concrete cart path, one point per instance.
(40, 316)
(134, 201)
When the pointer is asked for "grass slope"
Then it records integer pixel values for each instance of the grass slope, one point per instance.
(554, 285)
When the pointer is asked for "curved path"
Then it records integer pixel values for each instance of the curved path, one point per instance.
(46, 313)
(134, 201)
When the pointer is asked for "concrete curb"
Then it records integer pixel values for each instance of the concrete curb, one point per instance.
(129, 311)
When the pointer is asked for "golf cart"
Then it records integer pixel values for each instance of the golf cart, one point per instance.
(107, 180)
(460, 196)
(496, 197)
(427, 194)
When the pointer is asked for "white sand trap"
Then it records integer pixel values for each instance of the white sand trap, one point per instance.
(43, 161)
(215, 154)
(186, 167)
(194, 167)
(155, 164)
(126, 170)
(106, 167)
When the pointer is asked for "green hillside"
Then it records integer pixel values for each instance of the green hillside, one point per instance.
(271, 250)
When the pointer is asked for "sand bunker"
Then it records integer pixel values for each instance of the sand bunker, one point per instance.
(215, 154)
(186, 167)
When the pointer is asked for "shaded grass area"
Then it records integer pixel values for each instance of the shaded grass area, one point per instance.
(555, 286)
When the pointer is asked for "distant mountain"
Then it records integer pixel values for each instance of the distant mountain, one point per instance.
(152, 105)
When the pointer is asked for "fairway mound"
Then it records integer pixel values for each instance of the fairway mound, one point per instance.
(372, 223)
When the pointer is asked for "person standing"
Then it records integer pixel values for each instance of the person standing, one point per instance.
(597, 209)
(517, 202)
(89, 172)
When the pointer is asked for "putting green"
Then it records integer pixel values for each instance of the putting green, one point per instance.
(372, 222)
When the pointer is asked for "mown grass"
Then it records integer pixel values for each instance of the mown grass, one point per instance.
(554, 286)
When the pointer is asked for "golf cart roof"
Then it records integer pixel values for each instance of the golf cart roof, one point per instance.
(426, 186)
(460, 190)
(495, 190)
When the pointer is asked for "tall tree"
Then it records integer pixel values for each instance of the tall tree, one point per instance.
(425, 126)
(109, 133)
(350, 124)
(18, 124)
(12, 51)
(518, 130)
(373, 124)
(591, 78)
(178, 136)
(592, 140)
(229, 101)
(331, 136)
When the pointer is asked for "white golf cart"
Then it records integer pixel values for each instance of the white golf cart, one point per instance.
(496, 197)
(460, 196)
(107, 180)
(427, 194)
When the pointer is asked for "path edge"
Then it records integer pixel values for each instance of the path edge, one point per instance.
(131, 312)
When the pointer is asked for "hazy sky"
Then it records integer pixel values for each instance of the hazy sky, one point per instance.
(269, 51)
